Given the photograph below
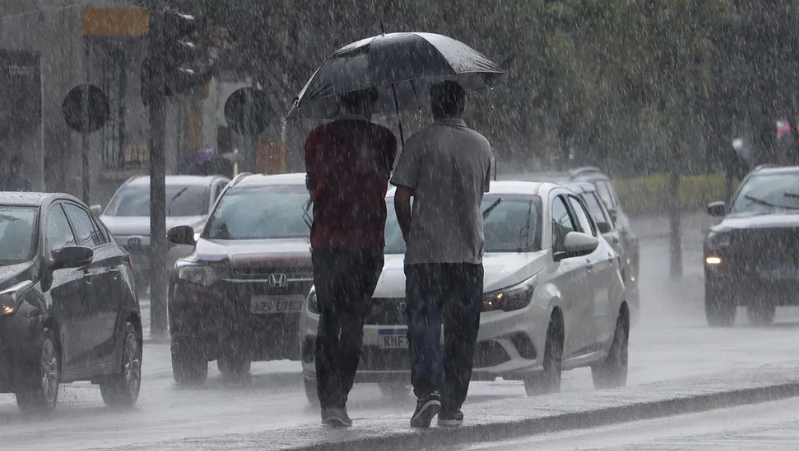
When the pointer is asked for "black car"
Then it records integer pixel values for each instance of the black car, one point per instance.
(751, 257)
(68, 311)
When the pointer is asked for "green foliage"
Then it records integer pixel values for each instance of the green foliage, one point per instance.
(649, 195)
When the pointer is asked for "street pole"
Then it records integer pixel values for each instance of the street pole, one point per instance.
(158, 242)
(86, 171)
(249, 139)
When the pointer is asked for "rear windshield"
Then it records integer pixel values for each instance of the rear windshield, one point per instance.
(17, 234)
(267, 212)
(181, 200)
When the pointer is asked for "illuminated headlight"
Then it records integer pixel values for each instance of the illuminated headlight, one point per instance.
(10, 298)
(511, 298)
(198, 274)
(712, 260)
(313, 306)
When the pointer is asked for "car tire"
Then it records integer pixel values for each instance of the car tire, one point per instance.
(189, 367)
(42, 394)
(233, 366)
(311, 390)
(394, 389)
(761, 314)
(612, 372)
(122, 390)
(548, 380)
(719, 312)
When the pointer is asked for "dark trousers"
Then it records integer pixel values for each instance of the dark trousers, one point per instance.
(452, 293)
(345, 282)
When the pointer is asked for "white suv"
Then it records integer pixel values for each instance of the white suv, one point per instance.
(554, 298)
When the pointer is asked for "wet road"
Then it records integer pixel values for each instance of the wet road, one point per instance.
(671, 341)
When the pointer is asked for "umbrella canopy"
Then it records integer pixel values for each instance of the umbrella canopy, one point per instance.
(401, 65)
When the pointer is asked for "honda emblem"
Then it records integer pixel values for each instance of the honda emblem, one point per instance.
(277, 280)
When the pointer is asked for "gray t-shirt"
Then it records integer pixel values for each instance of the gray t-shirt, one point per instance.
(448, 168)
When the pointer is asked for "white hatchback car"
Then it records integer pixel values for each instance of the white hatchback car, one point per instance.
(554, 298)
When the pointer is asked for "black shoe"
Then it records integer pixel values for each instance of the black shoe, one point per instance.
(426, 408)
(450, 419)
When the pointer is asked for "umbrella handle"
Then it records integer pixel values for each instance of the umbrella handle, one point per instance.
(399, 119)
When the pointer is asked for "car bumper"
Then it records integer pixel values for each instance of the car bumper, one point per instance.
(214, 322)
(18, 355)
(745, 286)
(507, 347)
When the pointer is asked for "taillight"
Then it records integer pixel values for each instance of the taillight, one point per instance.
(130, 261)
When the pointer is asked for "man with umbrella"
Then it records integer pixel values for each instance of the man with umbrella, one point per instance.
(348, 164)
(446, 168)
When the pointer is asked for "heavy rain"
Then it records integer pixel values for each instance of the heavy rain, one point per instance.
(391, 225)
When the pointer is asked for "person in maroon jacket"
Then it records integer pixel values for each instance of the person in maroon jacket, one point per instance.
(348, 164)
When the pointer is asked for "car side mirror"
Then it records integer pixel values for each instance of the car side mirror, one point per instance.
(577, 244)
(72, 257)
(614, 215)
(96, 209)
(604, 227)
(717, 209)
(181, 235)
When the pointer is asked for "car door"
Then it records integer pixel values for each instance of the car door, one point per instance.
(101, 303)
(66, 289)
(600, 271)
(572, 282)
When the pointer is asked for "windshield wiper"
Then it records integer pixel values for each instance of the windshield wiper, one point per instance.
(491, 208)
(793, 195)
(178, 194)
(305, 215)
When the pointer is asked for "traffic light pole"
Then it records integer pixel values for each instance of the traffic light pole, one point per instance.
(158, 242)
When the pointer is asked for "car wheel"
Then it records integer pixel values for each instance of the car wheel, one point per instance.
(548, 380)
(311, 390)
(612, 372)
(394, 389)
(189, 367)
(233, 366)
(122, 390)
(42, 394)
(762, 313)
(720, 312)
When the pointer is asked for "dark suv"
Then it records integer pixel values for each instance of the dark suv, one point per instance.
(752, 255)
(237, 298)
(627, 240)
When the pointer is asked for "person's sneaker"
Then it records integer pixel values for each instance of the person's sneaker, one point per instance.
(336, 417)
(450, 419)
(426, 408)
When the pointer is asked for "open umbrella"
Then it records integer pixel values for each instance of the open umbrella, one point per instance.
(401, 65)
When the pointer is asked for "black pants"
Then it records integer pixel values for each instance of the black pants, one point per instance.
(345, 282)
(451, 293)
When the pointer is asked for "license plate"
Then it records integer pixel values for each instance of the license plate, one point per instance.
(393, 339)
(262, 305)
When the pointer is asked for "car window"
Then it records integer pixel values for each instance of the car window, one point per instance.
(181, 200)
(59, 233)
(562, 222)
(586, 226)
(102, 233)
(83, 226)
(218, 191)
(17, 234)
(595, 207)
(604, 192)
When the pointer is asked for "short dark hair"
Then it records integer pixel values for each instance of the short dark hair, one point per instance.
(359, 99)
(447, 98)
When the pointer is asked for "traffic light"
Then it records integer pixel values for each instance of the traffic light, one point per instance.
(185, 60)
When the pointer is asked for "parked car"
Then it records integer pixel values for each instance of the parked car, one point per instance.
(188, 202)
(554, 298)
(751, 255)
(237, 298)
(68, 311)
(628, 241)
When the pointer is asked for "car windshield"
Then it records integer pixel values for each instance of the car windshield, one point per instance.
(265, 212)
(511, 224)
(181, 200)
(17, 234)
(768, 193)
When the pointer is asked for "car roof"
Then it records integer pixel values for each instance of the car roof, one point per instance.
(579, 187)
(26, 199)
(511, 187)
(183, 180)
(297, 178)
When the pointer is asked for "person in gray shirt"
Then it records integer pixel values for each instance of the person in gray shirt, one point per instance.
(446, 169)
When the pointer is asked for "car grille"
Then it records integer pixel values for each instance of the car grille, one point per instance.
(292, 274)
(387, 312)
(772, 247)
(244, 283)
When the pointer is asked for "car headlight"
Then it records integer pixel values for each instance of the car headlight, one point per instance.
(511, 298)
(198, 274)
(313, 306)
(11, 298)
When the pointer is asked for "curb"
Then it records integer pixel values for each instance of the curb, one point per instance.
(513, 418)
